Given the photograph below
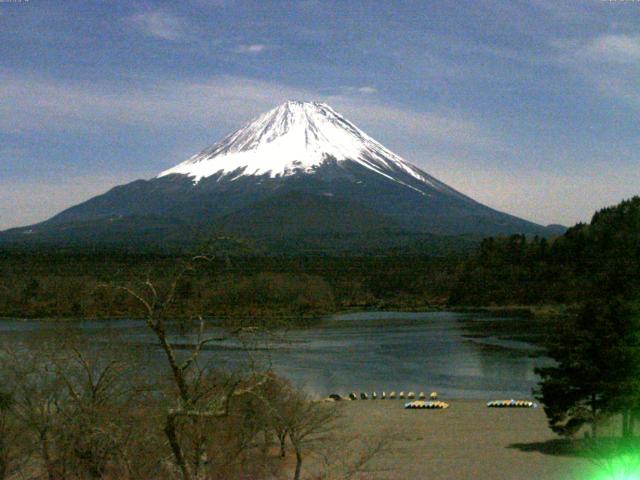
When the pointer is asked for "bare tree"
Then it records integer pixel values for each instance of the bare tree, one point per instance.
(36, 403)
(101, 394)
(307, 423)
(72, 400)
(276, 396)
(200, 396)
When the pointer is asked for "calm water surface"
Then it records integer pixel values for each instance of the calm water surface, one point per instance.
(363, 351)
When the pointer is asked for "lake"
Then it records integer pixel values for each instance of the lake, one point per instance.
(368, 351)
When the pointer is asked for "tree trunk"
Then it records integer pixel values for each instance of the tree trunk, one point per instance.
(283, 445)
(296, 476)
(46, 456)
(625, 423)
(200, 459)
(178, 374)
(594, 418)
(170, 432)
(4, 457)
(3, 467)
(266, 435)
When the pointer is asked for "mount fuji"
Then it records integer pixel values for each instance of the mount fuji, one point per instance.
(300, 175)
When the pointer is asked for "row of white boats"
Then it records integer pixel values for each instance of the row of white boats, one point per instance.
(420, 400)
(384, 396)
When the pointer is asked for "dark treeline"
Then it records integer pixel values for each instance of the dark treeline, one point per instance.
(64, 285)
(514, 270)
(597, 350)
(505, 271)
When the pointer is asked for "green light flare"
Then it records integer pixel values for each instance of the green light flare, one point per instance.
(623, 467)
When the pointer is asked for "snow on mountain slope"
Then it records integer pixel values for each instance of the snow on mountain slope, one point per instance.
(298, 137)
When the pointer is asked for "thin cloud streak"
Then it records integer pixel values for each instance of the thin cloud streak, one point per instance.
(609, 62)
(35, 104)
(623, 49)
(159, 24)
(367, 89)
(251, 49)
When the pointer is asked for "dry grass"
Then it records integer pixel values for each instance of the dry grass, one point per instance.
(466, 441)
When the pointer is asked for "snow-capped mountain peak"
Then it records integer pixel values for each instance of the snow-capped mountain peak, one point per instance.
(299, 176)
(296, 137)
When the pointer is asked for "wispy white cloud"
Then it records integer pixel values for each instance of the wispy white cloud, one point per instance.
(606, 48)
(619, 48)
(36, 104)
(159, 24)
(253, 48)
(609, 62)
(364, 90)
(445, 126)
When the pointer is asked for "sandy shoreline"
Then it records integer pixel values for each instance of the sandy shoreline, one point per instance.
(465, 441)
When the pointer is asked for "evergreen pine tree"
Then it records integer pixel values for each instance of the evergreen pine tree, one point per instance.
(597, 371)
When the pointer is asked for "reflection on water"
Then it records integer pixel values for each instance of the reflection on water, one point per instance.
(364, 351)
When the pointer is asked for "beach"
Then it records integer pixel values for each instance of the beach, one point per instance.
(465, 441)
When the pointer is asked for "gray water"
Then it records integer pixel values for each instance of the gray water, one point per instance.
(369, 351)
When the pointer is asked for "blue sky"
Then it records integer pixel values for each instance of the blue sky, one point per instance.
(531, 107)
